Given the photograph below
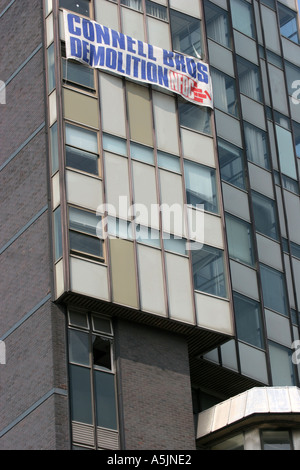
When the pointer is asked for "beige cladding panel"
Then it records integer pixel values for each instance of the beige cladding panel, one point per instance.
(140, 115)
(123, 272)
(81, 108)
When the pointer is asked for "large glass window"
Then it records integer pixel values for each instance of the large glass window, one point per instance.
(217, 26)
(51, 68)
(224, 88)
(248, 320)
(92, 379)
(194, 117)
(281, 365)
(186, 34)
(274, 289)
(288, 23)
(249, 79)
(276, 440)
(242, 17)
(257, 148)
(200, 182)
(231, 160)
(81, 7)
(292, 77)
(85, 230)
(78, 74)
(82, 149)
(240, 241)
(265, 216)
(208, 271)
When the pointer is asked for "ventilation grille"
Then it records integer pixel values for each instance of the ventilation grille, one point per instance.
(83, 434)
(107, 439)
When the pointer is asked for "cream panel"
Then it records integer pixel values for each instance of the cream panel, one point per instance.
(133, 24)
(59, 279)
(189, 7)
(213, 314)
(49, 29)
(198, 147)
(158, 33)
(83, 190)
(213, 234)
(55, 191)
(145, 194)
(52, 108)
(140, 114)
(112, 98)
(179, 288)
(117, 184)
(269, 252)
(81, 108)
(89, 278)
(61, 26)
(165, 122)
(296, 270)
(172, 204)
(123, 272)
(106, 13)
(244, 280)
(205, 228)
(151, 280)
(278, 328)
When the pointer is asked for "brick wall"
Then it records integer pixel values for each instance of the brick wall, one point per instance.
(154, 387)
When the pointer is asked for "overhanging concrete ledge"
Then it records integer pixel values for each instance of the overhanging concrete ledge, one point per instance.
(257, 405)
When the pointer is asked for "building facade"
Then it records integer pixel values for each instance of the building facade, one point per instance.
(150, 247)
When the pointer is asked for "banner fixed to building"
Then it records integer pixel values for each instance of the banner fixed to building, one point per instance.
(103, 48)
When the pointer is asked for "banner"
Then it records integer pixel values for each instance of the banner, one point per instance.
(103, 48)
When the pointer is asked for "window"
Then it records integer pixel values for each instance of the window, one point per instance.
(51, 68)
(200, 183)
(194, 117)
(286, 152)
(281, 365)
(186, 34)
(276, 440)
(249, 79)
(57, 233)
(54, 148)
(217, 24)
(175, 244)
(288, 23)
(142, 153)
(81, 7)
(265, 216)
(240, 241)
(134, 4)
(82, 149)
(208, 271)
(257, 149)
(231, 160)
(85, 230)
(242, 17)
(91, 366)
(78, 74)
(114, 144)
(296, 129)
(248, 320)
(274, 289)
(156, 10)
(168, 162)
(224, 92)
